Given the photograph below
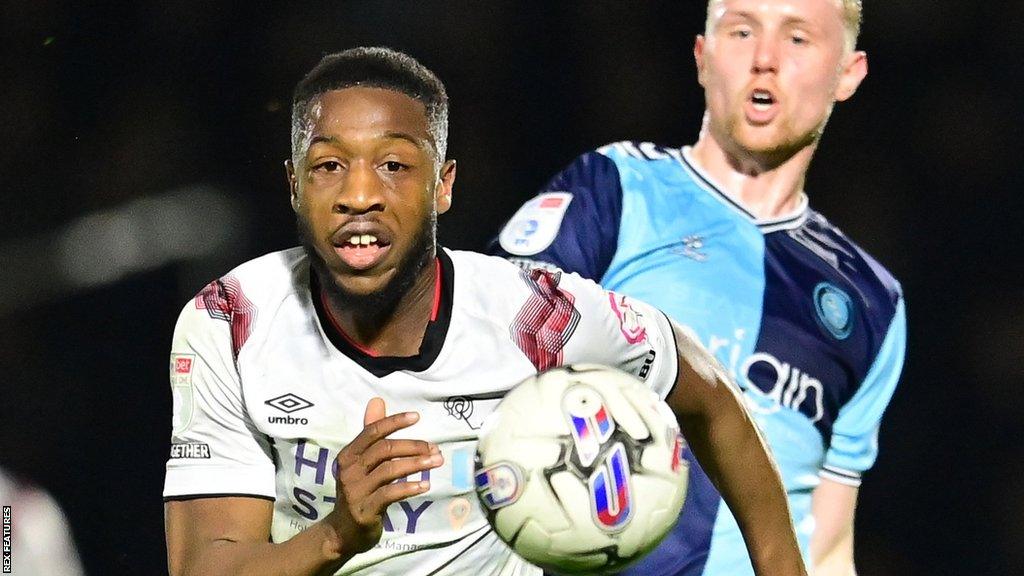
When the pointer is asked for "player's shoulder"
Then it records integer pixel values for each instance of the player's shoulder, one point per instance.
(869, 277)
(487, 276)
(627, 156)
(650, 170)
(250, 289)
(265, 279)
(496, 282)
(640, 152)
(272, 273)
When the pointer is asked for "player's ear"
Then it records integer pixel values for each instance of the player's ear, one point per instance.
(293, 183)
(854, 70)
(443, 193)
(698, 57)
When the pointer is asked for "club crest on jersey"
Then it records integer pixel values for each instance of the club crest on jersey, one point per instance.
(535, 225)
(462, 408)
(835, 310)
(590, 422)
(630, 321)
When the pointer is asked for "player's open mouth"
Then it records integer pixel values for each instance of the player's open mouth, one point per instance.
(762, 99)
(361, 245)
(761, 106)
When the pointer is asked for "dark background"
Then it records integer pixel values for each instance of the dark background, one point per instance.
(142, 151)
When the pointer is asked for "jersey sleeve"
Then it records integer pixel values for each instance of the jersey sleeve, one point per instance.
(854, 444)
(570, 319)
(215, 449)
(573, 223)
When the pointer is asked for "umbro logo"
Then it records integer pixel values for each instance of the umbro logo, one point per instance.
(288, 403)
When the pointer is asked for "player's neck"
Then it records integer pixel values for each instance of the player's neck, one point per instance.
(767, 191)
(397, 331)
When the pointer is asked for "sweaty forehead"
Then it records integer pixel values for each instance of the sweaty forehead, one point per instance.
(367, 112)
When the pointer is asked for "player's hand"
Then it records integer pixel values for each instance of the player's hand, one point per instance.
(367, 472)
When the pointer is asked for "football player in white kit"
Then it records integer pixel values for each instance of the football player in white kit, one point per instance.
(283, 459)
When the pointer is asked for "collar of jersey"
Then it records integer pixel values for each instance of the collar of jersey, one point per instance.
(433, 337)
(787, 222)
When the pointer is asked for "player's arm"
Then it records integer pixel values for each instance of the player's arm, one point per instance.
(231, 535)
(573, 222)
(833, 505)
(730, 449)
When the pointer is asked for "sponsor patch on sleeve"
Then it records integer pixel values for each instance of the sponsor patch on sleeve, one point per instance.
(190, 450)
(181, 390)
(535, 226)
(630, 320)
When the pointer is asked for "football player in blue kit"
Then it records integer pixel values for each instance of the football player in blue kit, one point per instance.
(720, 236)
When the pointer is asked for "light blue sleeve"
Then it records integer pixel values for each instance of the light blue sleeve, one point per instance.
(854, 444)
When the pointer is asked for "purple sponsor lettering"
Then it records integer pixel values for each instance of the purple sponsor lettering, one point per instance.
(306, 499)
(413, 514)
(320, 464)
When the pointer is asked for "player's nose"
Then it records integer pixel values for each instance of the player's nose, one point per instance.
(766, 55)
(361, 191)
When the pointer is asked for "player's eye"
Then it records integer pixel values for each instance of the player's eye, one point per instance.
(799, 40)
(328, 166)
(740, 33)
(393, 166)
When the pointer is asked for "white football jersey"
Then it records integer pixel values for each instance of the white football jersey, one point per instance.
(267, 390)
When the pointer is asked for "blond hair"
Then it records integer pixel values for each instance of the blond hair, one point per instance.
(852, 18)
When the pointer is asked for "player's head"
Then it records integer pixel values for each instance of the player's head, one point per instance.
(852, 18)
(772, 71)
(372, 67)
(366, 178)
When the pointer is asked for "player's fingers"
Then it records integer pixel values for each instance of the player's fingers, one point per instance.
(379, 429)
(387, 495)
(386, 449)
(375, 410)
(399, 469)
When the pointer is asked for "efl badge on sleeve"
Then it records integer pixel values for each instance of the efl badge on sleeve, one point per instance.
(535, 226)
(182, 366)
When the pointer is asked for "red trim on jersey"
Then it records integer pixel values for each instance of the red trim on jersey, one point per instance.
(546, 321)
(337, 328)
(224, 300)
(435, 310)
(437, 290)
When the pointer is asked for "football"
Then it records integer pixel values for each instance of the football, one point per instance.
(580, 469)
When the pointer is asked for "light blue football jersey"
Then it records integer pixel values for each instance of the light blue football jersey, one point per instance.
(811, 328)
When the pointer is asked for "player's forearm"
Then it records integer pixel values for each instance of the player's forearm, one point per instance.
(834, 567)
(728, 446)
(833, 505)
(731, 451)
(832, 550)
(313, 552)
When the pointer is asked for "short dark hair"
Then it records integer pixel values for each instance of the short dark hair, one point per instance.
(372, 67)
